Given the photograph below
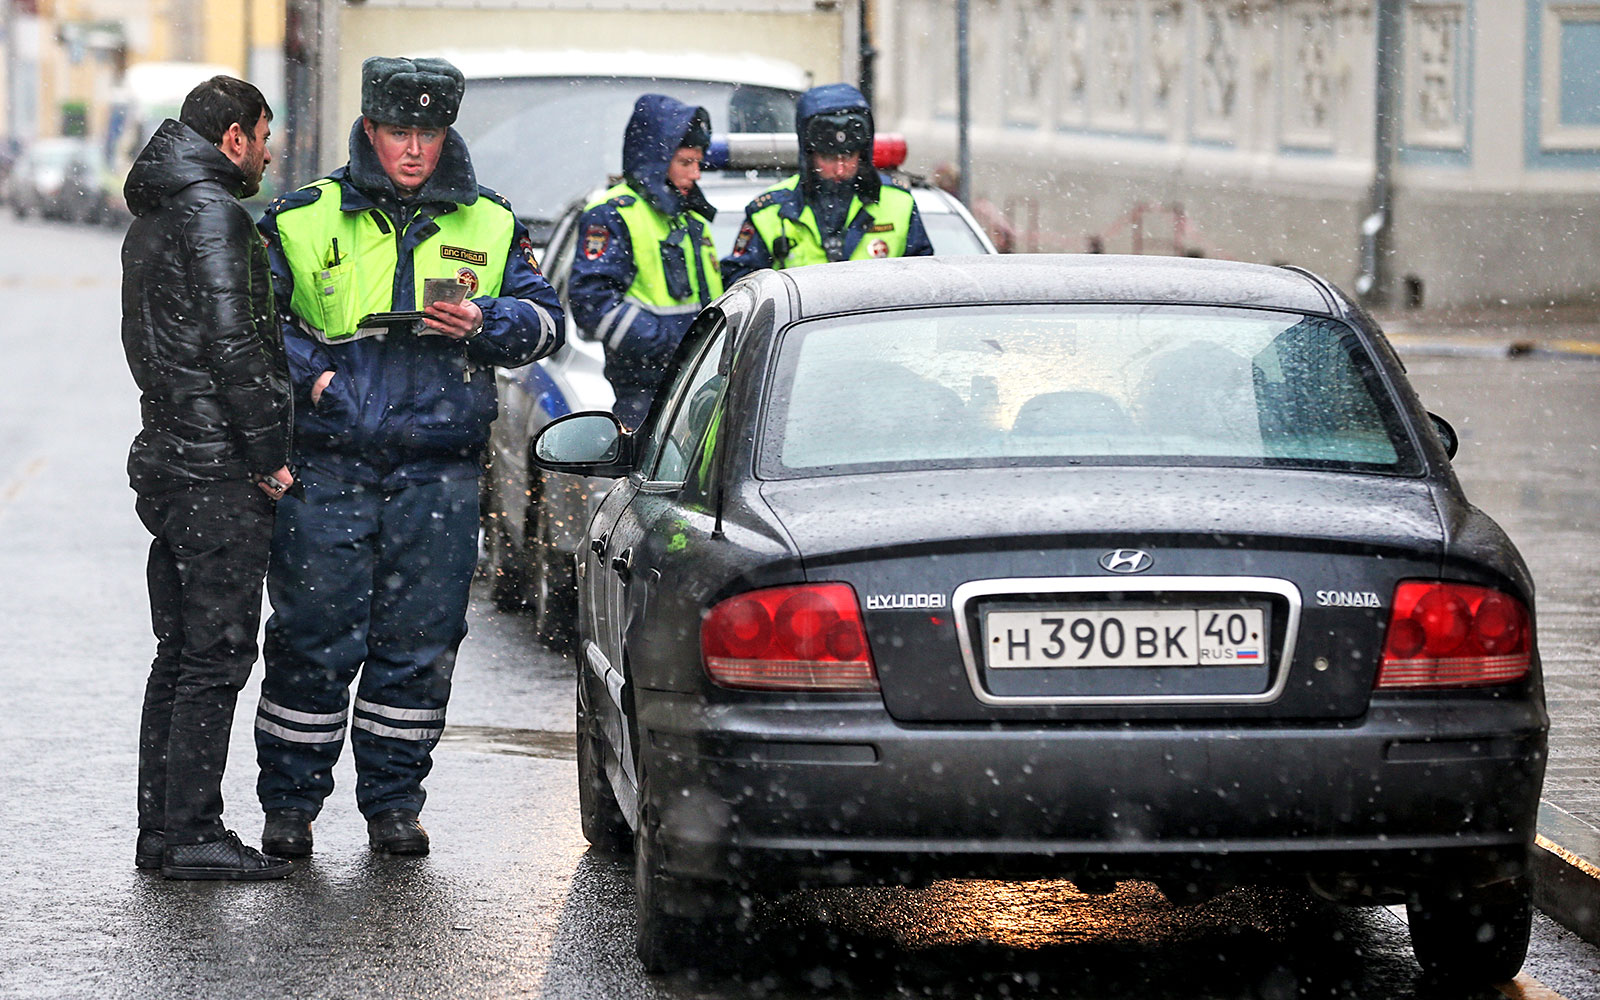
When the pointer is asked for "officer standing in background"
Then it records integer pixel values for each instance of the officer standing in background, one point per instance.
(838, 207)
(370, 573)
(645, 264)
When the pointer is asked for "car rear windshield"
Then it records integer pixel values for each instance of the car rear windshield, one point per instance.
(1050, 385)
(541, 141)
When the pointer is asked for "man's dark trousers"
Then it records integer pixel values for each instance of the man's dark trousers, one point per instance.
(207, 562)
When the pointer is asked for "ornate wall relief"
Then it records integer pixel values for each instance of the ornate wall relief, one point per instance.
(1114, 80)
(1311, 76)
(1073, 64)
(1437, 66)
(1028, 62)
(1163, 63)
(938, 20)
(1219, 69)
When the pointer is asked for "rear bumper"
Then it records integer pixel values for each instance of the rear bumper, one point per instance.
(779, 796)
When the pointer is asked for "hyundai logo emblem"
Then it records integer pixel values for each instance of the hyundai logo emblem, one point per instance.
(1126, 561)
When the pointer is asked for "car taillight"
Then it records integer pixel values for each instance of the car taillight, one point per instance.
(1454, 635)
(806, 638)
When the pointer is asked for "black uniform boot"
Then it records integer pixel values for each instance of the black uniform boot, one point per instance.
(396, 831)
(225, 859)
(287, 833)
(147, 851)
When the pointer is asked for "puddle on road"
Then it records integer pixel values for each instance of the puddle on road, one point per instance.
(513, 742)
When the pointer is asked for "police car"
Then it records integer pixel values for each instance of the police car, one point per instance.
(533, 520)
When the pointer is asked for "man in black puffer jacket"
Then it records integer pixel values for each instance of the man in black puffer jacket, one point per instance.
(202, 340)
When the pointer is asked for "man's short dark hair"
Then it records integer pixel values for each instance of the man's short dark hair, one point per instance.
(220, 102)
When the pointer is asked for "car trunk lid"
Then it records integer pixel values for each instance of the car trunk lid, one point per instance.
(994, 595)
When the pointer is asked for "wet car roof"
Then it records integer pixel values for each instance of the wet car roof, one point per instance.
(909, 282)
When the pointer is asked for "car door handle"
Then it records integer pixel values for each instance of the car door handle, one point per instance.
(623, 564)
(598, 545)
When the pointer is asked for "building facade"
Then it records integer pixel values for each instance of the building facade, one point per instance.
(66, 60)
(1249, 129)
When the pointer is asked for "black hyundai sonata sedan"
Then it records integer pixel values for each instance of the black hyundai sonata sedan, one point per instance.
(1089, 567)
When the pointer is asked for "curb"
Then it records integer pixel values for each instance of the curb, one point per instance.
(1566, 871)
(1422, 345)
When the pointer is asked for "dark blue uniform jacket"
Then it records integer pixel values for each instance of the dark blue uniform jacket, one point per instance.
(405, 409)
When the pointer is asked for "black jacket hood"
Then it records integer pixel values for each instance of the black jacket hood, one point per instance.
(174, 158)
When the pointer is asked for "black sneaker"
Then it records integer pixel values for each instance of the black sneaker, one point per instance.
(225, 859)
(287, 833)
(396, 831)
(147, 852)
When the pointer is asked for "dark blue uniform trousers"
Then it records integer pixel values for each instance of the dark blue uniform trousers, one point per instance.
(372, 582)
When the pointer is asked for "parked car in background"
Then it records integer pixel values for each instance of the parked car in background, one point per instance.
(1089, 567)
(60, 178)
(534, 519)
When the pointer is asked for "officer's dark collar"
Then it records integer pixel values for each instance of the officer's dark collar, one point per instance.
(453, 181)
(665, 199)
(868, 183)
(794, 206)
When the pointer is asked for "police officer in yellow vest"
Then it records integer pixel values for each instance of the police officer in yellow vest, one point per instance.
(371, 564)
(838, 207)
(645, 263)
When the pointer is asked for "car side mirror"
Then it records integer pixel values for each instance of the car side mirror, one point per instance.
(587, 444)
(1447, 434)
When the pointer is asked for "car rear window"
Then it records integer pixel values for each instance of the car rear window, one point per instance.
(1078, 385)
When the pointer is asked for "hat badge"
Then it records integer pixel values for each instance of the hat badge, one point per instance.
(839, 136)
(424, 100)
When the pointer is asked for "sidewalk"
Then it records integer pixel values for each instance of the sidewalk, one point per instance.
(1566, 864)
(1486, 331)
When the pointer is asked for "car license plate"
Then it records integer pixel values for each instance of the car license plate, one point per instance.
(1061, 637)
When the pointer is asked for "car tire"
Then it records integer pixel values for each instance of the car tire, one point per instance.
(508, 582)
(679, 923)
(1473, 937)
(599, 815)
(554, 590)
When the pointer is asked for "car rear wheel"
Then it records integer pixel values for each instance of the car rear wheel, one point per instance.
(508, 580)
(1471, 936)
(555, 592)
(598, 812)
(679, 923)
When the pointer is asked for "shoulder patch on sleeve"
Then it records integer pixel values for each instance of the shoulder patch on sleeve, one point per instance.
(596, 239)
(525, 247)
(747, 232)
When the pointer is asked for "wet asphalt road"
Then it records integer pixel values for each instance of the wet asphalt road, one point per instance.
(511, 904)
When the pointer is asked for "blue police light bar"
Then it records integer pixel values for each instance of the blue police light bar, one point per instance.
(778, 151)
(753, 151)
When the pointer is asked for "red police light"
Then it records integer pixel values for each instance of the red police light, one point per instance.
(888, 151)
